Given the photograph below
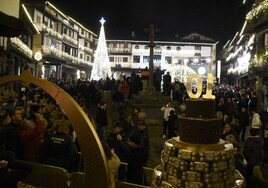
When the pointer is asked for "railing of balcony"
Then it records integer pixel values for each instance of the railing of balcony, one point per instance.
(260, 59)
(64, 56)
(17, 43)
(69, 39)
(86, 49)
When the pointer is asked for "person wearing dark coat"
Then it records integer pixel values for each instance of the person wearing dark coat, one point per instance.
(228, 130)
(172, 121)
(10, 134)
(59, 149)
(253, 151)
(259, 178)
(136, 160)
(101, 120)
(139, 152)
(116, 141)
(12, 170)
(243, 118)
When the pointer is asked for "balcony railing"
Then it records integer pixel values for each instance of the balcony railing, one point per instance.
(64, 56)
(21, 46)
(258, 12)
(69, 39)
(86, 49)
(260, 59)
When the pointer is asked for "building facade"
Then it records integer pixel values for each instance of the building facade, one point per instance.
(192, 54)
(61, 48)
(245, 60)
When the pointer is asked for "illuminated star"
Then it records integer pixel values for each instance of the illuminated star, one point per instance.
(44, 101)
(50, 107)
(102, 21)
(36, 97)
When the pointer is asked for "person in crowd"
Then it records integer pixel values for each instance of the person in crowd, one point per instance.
(157, 79)
(253, 151)
(219, 114)
(10, 134)
(173, 122)
(230, 107)
(101, 120)
(59, 149)
(264, 118)
(135, 161)
(4, 118)
(256, 120)
(139, 153)
(252, 103)
(30, 133)
(166, 112)
(145, 78)
(240, 161)
(259, 178)
(134, 85)
(113, 162)
(221, 105)
(265, 144)
(12, 170)
(124, 89)
(117, 141)
(243, 121)
(236, 127)
(128, 126)
(228, 130)
(166, 84)
(177, 91)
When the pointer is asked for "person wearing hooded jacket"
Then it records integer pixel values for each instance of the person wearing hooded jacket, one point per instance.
(253, 151)
(259, 178)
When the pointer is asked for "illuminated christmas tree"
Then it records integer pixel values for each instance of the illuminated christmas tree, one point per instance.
(101, 67)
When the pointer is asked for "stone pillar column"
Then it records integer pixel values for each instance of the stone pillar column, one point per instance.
(59, 72)
(39, 69)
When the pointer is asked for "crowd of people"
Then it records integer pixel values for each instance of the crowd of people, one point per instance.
(34, 128)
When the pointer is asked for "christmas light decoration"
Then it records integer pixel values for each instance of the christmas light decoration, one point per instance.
(101, 68)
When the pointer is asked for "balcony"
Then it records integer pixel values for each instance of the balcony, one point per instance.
(125, 51)
(50, 31)
(21, 46)
(70, 40)
(86, 49)
(258, 16)
(47, 51)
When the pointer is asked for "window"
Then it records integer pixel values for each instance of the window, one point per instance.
(136, 59)
(46, 21)
(168, 60)
(114, 45)
(81, 56)
(125, 59)
(125, 45)
(111, 59)
(168, 48)
(38, 19)
(197, 48)
(64, 29)
(145, 59)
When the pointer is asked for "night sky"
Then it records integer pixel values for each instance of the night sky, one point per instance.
(216, 19)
